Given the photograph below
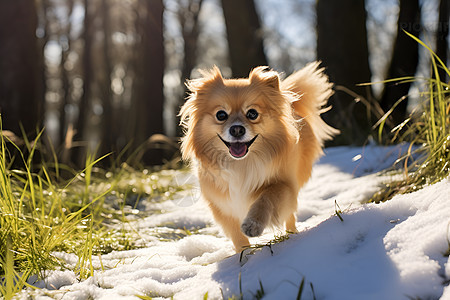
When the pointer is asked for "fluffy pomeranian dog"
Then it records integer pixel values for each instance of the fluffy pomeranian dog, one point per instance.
(254, 141)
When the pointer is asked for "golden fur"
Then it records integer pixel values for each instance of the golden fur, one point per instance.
(248, 192)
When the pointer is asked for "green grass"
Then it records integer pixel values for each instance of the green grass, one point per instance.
(40, 213)
(427, 130)
(251, 249)
(260, 293)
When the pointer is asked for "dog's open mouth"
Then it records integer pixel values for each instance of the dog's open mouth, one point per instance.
(238, 149)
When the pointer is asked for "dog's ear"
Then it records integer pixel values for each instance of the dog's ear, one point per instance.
(209, 78)
(197, 88)
(265, 76)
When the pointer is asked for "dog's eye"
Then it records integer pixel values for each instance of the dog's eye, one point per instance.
(252, 114)
(221, 115)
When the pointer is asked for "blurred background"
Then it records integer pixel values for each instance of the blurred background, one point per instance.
(106, 76)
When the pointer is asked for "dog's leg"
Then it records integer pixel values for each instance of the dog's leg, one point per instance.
(240, 241)
(273, 199)
(231, 228)
(258, 217)
(290, 224)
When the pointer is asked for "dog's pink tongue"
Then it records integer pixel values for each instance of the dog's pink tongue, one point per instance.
(238, 149)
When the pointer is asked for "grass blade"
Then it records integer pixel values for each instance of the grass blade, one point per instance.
(300, 289)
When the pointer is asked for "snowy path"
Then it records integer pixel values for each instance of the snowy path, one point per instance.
(392, 250)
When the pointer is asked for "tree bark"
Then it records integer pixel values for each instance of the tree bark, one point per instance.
(342, 47)
(188, 16)
(190, 29)
(66, 97)
(245, 36)
(20, 84)
(148, 88)
(405, 58)
(109, 130)
(79, 147)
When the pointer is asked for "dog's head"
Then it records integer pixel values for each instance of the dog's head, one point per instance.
(233, 119)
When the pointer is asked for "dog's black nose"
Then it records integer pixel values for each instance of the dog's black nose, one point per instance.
(237, 131)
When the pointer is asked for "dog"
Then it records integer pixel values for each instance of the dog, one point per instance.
(254, 141)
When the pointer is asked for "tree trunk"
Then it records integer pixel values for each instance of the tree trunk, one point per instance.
(66, 98)
(342, 47)
(148, 88)
(405, 58)
(79, 151)
(245, 36)
(20, 84)
(109, 130)
(188, 18)
(190, 29)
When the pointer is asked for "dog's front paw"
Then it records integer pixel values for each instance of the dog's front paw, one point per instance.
(251, 227)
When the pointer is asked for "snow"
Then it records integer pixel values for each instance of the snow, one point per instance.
(392, 250)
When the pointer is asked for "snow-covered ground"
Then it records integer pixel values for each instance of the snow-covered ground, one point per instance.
(393, 250)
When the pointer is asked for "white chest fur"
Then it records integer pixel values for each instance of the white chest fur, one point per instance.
(239, 181)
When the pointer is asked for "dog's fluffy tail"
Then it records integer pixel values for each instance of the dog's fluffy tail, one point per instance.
(312, 90)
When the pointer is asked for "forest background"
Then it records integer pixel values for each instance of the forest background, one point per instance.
(107, 76)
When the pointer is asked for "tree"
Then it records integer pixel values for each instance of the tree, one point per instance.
(342, 47)
(20, 85)
(188, 16)
(66, 96)
(148, 89)
(109, 131)
(245, 36)
(405, 57)
(87, 73)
